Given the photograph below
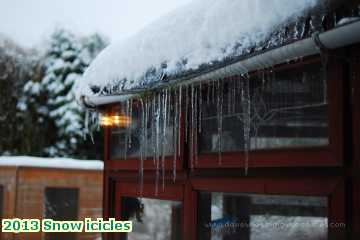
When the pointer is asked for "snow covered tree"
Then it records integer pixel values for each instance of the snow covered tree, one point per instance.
(65, 62)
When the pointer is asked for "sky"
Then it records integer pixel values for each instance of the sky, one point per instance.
(29, 22)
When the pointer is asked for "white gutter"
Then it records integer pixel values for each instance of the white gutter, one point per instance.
(336, 38)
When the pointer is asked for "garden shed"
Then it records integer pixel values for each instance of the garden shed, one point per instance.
(43, 188)
(233, 120)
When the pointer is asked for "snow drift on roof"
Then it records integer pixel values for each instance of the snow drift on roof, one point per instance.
(202, 32)
(65, 163)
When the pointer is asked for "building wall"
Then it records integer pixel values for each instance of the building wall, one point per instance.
(8, 183)
(31, 188)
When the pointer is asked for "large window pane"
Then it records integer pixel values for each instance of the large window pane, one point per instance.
(133, 140)
(152, 219)
(224, 216)
(269, 110)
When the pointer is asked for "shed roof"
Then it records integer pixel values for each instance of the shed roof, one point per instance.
(62, 163)
(197, 37)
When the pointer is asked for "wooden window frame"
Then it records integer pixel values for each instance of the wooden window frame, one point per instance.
(173, 192)
(330, 187)
(330, 155)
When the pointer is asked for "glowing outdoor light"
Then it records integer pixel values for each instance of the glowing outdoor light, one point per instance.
(115, 120)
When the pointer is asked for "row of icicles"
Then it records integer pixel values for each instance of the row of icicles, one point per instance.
(180, 108)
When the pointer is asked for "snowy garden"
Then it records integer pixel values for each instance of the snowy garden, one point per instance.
(220, 120)
(39, 113)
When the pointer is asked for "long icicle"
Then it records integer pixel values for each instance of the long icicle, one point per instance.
(164, 141)
(219, 118)
(175, 132)
(180, 120)
(246, 119)
(192, 100)
(142, 151)
(158, 112)
(153, 127)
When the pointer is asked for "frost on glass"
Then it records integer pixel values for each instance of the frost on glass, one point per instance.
(152, 219)
(266, 111)
(259, 217)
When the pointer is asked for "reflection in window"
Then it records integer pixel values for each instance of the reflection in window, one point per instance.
(152, 219)
(156, 139)
(270, 110)
(225, 216)
(61, 204)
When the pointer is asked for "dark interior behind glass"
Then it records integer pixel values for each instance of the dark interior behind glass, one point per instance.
(287, 109)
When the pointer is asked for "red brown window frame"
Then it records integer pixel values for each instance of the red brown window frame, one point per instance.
(330, 155)
(133, 163)
(331, 187)
(179, 191)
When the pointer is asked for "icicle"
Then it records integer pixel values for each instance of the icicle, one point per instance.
(192, 96)
(246, 108)
(324, 63)
(208, 93)
(146, 125)
(175, 132)
(229, 95)
(196, 124)
(127, 131)
(213, 91)
(164, 140)
(86, 123)
(179, 121)
(158, 116)
(130, 115)
(153, 127)
(219, 118)
(93, 120)
(235, 94)
(142, 152)
(186, 113)
(200, 108)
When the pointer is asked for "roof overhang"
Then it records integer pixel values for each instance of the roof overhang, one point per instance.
(338, 37)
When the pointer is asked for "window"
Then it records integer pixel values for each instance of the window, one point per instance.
(153, 218)
(256, 217)
(152, 138)
(265, 111)
(146, 134)
(61, 204)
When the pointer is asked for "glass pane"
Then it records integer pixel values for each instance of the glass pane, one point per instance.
(152, 219)
(130, 141)
(61, 204)
(267, 111)
(261, 217)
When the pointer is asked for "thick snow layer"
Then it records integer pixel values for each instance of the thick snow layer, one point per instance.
(25, 161)
(201, 32)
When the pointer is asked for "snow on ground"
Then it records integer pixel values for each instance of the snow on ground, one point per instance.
(201, 32)
(25, 161)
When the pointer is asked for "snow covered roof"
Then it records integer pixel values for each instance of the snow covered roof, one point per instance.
(64, 163)
(197, 37)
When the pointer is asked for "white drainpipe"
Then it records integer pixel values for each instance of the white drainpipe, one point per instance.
(335, 38)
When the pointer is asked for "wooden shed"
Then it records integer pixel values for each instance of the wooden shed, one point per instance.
(259, 139)
(59, 189)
